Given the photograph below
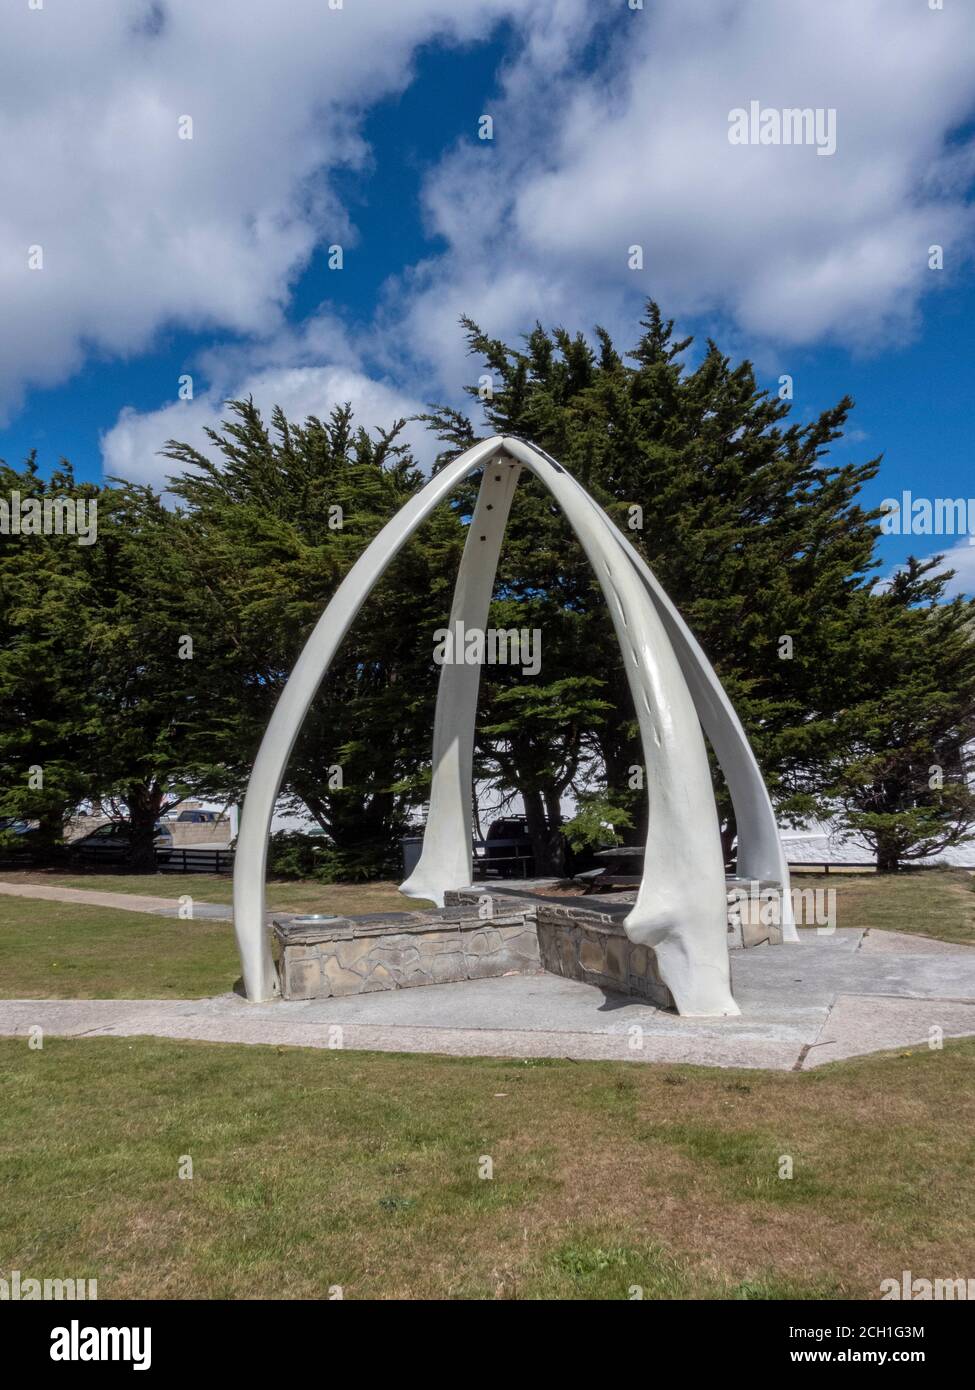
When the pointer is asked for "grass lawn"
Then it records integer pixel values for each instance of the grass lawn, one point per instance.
(926, 902)
(54, 950)
(315, 1168)
(931, 902)
(51, 950)
(282, 895)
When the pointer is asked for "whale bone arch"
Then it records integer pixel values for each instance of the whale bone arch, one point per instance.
(681, 908)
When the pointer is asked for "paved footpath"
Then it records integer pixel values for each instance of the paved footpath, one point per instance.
(124, 902)
(832, 996)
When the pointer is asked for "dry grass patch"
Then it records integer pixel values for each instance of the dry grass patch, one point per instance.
(314, 1168)
(939, 903)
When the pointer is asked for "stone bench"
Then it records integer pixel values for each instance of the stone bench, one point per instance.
(321, 958)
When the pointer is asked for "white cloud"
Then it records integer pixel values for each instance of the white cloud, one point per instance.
(611, 129)
(289, 372)
(789, 246)
(961, 559)
(141, 229)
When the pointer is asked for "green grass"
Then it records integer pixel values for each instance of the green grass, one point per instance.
(939, 903)
(320, 1168)
(315, 1168)
(282, 895)
(52, 950)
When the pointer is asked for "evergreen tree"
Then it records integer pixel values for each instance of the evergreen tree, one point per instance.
(45, 733)
(752, 528)
(265, 536)
(147, 665)
(904, 755)
(97, 691)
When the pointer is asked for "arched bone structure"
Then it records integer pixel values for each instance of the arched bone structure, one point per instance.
(681, 907)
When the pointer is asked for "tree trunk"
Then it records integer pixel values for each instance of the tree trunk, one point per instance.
(51, 825)
(144, 803)
(50, 831)
(547, 855)
(556, 843)
(888, 856)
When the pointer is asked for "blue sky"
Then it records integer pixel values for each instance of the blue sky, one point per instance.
(360, 127)
(406, 134)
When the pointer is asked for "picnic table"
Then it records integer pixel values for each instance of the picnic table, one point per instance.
(623, 868)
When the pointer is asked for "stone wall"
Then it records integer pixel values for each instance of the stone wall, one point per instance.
(588, 944)
(584, 947)
(754, 913)
(186, 834)
(399, 950)
(477, 936)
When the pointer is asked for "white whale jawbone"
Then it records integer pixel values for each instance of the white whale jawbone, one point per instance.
(422, 892)
(699, 980)
(681, 908)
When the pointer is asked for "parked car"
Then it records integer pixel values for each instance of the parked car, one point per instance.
(109, 844)
(10, 826)
(198, 817)
(509, 846)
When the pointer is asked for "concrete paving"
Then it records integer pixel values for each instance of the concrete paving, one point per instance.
(834, 995)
